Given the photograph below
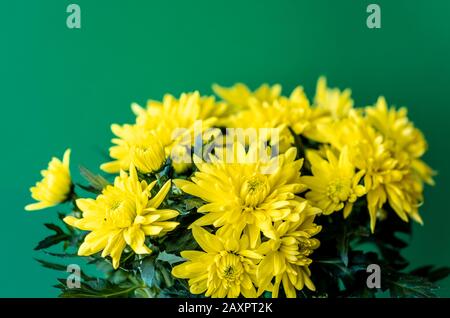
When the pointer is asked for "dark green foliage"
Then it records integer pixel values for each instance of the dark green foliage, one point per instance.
(54, 239)
(97, 288)
(339, 265)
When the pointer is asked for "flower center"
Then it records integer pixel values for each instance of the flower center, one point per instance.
(304, 246)
(119, 210)
(228, 271)
(254, 190)
(229, 268)
(338, 190)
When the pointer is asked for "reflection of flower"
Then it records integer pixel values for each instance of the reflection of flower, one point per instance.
(55, 186)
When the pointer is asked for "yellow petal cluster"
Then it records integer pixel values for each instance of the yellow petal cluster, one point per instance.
(161, 129)
(225, 267)
(239, 95)
(373, 151)
(267, 108)
(386, 149)
(135, 145)
(123, 214)
(334, 184)
(55, 186)
(256, 201)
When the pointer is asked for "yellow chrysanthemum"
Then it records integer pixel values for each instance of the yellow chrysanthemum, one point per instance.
(335, 102)
(123, 214)
(239, 95)
(407, 142)
(173, 113)
(391, 175)
(168, 124)
(334, 184)
(286, 259)
(224, 269)
(248, 194)
(135, 145)
(282, 113)
(388, 181)
(55, 186)
(388, 178)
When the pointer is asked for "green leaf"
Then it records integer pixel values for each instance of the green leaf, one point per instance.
(148, 271)
(438, 274)
(99, 288)
(62, 255)
(61, 267)
(144, 292)
(431, 273)
(54, 228)
(175, 292)
(169, 258)
(193, 203)
(298, 143)
(180, 239)
(58, 267)
(342, 245)
(51, 240)
(409, 286)
(54, 239)
(165, 278)
(96, 181)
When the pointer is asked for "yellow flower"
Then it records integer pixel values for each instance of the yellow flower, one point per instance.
(160, 129)
(135, 145)
(286, 259)
(406, 141)
(390, 177)
(249, 193)
(224, 269)
(123, 214)
(238, 95)
(282, 113)
(334, 184)
(405, 196)
(336, 103)
(424, 171)
(176, 119)
(56, 185)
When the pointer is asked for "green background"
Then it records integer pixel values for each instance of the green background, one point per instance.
(63, 88)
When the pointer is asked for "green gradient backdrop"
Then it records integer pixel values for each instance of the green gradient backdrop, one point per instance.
(62, 87)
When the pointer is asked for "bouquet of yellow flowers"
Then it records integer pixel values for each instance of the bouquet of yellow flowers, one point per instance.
(252, 194)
